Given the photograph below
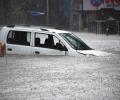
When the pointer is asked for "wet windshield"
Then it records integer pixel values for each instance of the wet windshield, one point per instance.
(74, 41)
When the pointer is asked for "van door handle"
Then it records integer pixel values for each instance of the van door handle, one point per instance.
(9, 49)
(37, 52)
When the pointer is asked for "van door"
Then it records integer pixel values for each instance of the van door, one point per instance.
(18, 42)
(45, 44)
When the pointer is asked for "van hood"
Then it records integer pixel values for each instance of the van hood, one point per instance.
(93, 52)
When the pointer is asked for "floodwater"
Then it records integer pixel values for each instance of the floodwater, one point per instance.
(64, 77)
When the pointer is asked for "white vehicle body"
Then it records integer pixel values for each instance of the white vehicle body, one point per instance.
(31, 34)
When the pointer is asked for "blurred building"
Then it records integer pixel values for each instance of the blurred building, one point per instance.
(95, 15)
(89, 15)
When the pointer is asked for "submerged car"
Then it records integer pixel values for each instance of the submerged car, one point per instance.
(44, 41)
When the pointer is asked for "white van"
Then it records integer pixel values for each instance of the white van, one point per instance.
(44, 41)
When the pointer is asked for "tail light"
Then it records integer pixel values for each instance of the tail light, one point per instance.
(2, 49)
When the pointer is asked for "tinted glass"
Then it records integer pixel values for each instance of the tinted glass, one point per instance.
(74, 41)
(19, 38)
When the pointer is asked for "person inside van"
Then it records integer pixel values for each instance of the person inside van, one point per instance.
(49, 42)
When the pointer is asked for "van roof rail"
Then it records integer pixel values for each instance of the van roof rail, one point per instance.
(43, 29)
(23, 25)
(18, 25)
(10, 25)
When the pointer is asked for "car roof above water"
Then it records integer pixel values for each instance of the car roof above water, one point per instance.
(22, 28)
(42, 29)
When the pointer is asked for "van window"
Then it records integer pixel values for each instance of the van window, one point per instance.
(19, 38)
(75, 42)
(47, 41)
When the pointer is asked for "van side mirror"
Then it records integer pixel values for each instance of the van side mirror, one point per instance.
(65, 48)
(61, 47)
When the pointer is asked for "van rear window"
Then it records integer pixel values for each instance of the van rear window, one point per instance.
(19, 38)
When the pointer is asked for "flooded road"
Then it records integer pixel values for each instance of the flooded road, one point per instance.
(64, 77)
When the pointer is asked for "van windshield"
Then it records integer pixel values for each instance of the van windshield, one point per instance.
(75, 42)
